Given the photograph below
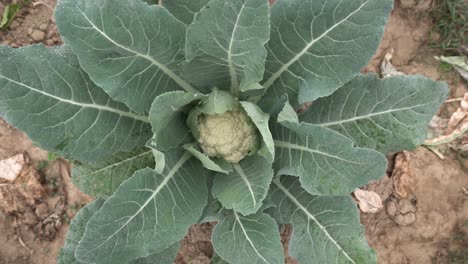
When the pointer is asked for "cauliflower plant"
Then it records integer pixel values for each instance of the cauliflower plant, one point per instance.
(230, 135)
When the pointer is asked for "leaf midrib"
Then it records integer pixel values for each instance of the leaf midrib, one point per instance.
(312, 217)
(247, 237)
(83, 105)
(288, 145)
(185, 85)
(285, 67)
(369, 116)
(184, 158)
(232, 70)
(241, 172)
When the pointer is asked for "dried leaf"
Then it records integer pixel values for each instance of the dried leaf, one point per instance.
(10, 168)
(403, 180)
(369, 202)
(386, 67)
(437, 127)
(457, 125)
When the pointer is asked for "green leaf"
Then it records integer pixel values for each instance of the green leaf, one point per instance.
(102, 179)
(152, 2)
(326, 229)
(9, 15)
(217, 260)
(148, 213)
(260, 120)
(325, 161)
(44, 93)
(218, 102)
(244, 189)
(317, 46)
(76, 231)
(218, 165)
(225, 45)
(387, 115)
(128, 48)
(288, 114)
(184, 10)
(166, 256)
(168, 118)
(211, 211)
(252, 239)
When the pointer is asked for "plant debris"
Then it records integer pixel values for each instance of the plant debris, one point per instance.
(10, 168)
(369, 202)
(386, 67)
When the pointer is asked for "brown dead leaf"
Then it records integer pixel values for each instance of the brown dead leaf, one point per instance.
(437, 127)
(369, 202)
(403, 180)
(457, 126)
(10, 168)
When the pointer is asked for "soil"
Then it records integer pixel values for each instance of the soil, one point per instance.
(425, 213)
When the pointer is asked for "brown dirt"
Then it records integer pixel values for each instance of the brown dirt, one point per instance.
(425, 214)
(421, 222)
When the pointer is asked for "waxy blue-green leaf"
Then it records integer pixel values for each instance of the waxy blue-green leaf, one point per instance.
(129, 48)
(225, 45)
(387, 115)
(184, 10)
(168, 116)
(218, 260)
(103, 178)
(252, 239)
(45, 93)
(326, 162)
(213, 164)
(151, 2)
(326, 229)
(148, 212)
(211, 211)
(318, 46)
(166, 256)
(244, 189)
(260, 119)
(218, 102)
(76, 231)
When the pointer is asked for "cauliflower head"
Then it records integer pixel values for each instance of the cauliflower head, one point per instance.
(230, 135)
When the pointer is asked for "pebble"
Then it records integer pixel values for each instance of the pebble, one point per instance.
(38, 35)
(30, 31)
(43, 27)
(50, 42)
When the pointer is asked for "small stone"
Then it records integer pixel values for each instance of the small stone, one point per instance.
(50, 42)
(30, 31)
(43, 27)
(38, 35)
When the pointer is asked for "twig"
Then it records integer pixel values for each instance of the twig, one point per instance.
(454, 100)
(42, 3)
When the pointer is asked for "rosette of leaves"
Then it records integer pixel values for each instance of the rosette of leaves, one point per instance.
(125, 93)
